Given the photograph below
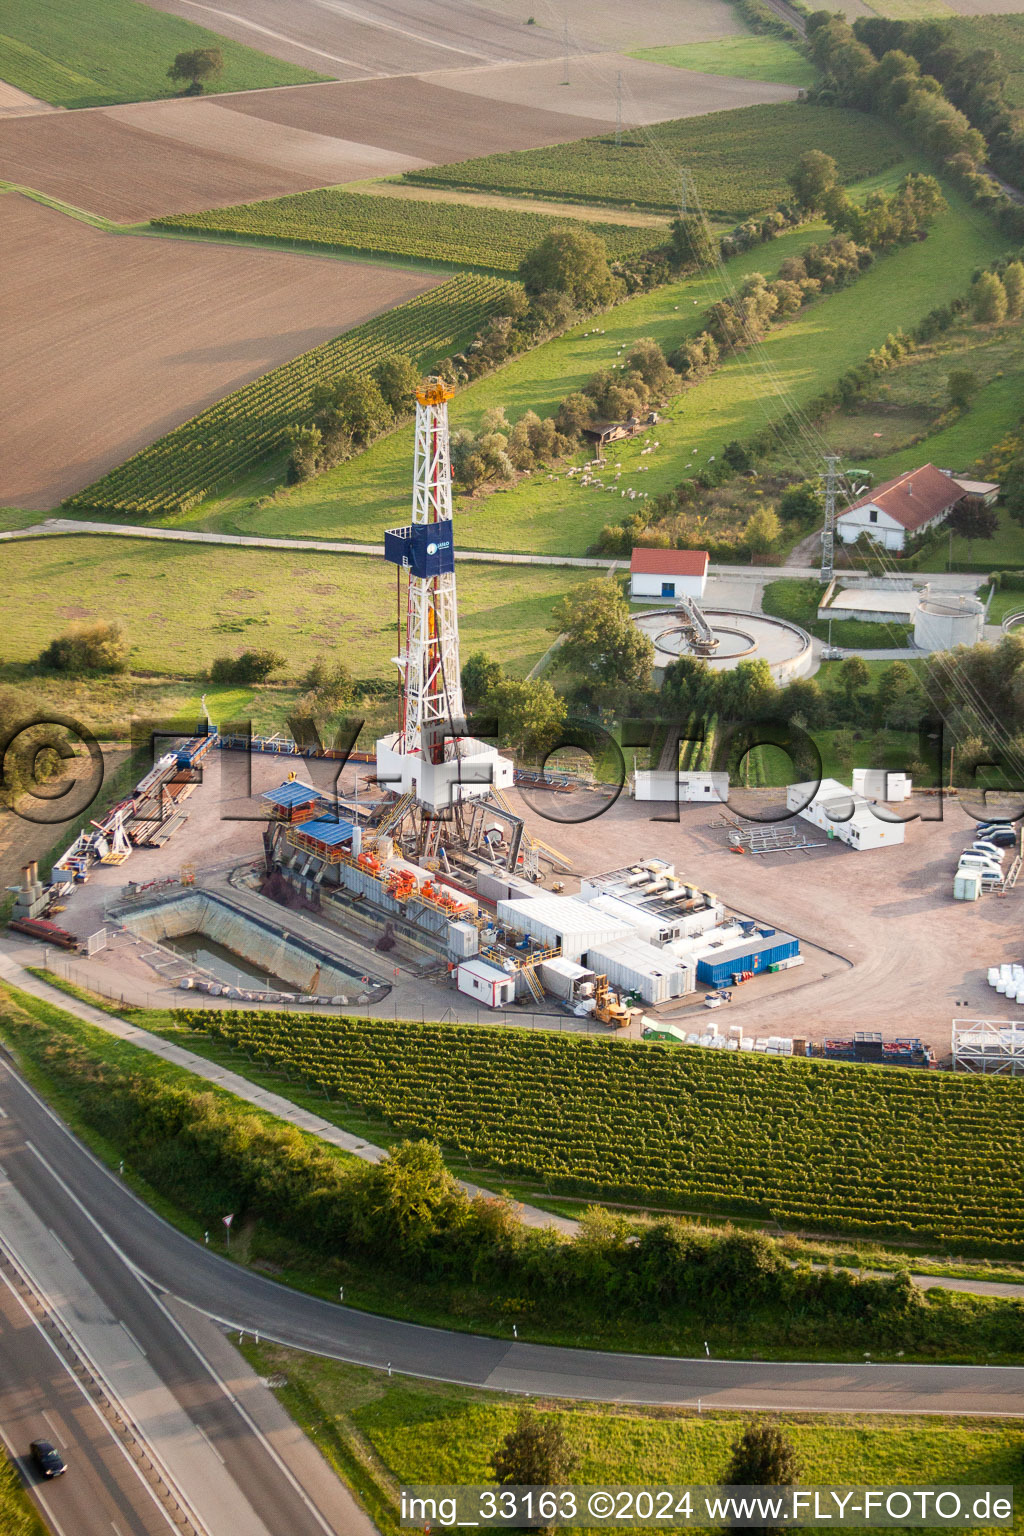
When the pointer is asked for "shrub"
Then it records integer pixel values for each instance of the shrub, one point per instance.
(101, 646)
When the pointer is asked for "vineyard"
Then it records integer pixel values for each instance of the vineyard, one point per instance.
(496, 238)
(179, 470)
(738, 160)
(857, 1149)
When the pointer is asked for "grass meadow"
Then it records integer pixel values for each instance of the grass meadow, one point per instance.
(184, 606)
(750, 56)
(107, 51)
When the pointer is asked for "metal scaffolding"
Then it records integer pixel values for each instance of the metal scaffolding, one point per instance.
(988, 1045)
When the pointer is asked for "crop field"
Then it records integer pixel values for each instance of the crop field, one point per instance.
(118, 50)
(738, 160)
(604, 24)
(495, 238)
(179, 470)
(168, 327)
(183, 605)
(752, 57)
(806, 1143)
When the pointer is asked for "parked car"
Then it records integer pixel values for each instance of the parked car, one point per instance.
(1001, 834)
(982, 864)
(48, 1460)
(982, 845)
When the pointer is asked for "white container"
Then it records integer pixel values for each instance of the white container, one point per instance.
(993, 975)
(1006, 971)
(1001, 985)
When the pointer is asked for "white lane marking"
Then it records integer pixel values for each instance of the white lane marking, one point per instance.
(210, 1443)
(56, 1432)
(65, 1250)
(125, 1329)
(36, 1490)
(106, 1427)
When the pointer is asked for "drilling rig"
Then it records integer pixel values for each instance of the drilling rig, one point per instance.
(431, 763)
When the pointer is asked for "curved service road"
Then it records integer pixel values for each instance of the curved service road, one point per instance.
(99, 1219)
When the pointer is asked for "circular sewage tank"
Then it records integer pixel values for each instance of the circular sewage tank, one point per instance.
(942, 623)
(740, 637)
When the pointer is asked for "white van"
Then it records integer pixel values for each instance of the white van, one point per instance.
(984, 865)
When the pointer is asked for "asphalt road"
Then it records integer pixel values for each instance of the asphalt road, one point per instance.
(40, 1399)
(105, 1227)
(30, 1136)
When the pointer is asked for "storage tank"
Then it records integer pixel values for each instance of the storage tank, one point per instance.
(944, 622)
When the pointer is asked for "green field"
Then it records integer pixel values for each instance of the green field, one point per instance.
(468, 235)
(18, 1516)
(183, 605)
(430, 1432)
(1003, 33)
(92, 54)
(751, 58)
(554, 515)
(179, 470)
(1004, 552)
(738, 159)
(818, 1144)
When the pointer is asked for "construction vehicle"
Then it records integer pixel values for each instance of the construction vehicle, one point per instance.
(609, 1007)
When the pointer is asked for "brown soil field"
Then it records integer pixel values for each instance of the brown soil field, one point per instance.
(413, 117)
(109, 341)
(650, 92)
(15, 103)
(135, 162)
(351, 40)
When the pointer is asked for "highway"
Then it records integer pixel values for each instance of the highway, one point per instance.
(118, 1239)
(225, 1468)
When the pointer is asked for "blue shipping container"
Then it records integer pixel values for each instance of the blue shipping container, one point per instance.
(718, 970)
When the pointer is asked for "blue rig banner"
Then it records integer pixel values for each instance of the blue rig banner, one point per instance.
(424, 549)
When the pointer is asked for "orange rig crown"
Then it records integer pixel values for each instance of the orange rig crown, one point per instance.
(434, 392)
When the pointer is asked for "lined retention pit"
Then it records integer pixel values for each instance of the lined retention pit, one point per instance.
(198, 937)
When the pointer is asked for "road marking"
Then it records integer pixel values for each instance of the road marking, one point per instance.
(210, 1443)
(3, 1114)
(54, 1429)
(124, 1327)
(35, 1489)
(62, 1246)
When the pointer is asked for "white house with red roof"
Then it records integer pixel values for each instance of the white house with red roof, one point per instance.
(919, 499)
(664, 575)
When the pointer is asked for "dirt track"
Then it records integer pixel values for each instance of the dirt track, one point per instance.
(108, 341)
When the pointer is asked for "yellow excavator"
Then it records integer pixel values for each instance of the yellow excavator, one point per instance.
(608, 1009)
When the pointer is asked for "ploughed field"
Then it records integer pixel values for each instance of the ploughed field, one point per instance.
(108, 342)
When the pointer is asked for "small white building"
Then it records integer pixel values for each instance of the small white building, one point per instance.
(841, 813)
(633, 965)
(561, 922)
(705, 788)
(880, 784)
(486, 983)
(663, 575)
(919, 499)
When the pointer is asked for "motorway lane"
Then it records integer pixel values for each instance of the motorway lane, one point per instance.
(221, 1289)
(101, 1493)
(274, 1501)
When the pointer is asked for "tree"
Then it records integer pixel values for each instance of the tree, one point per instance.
(762, 532)
(196, 66)
(535, 1452)
(692, 243)
(961, 385)
(329, 685)
(737, 457)
(398, 379)
(479, 675)
(971, 519)
(853, 676)
(802, 503)
(602, 644)
(573, 262)
(101, 646)
(1013, 287)
(842, 748)
(898, 696)
(530, 714)
(988, 299)
(811, 177)
(352, 405)
(762, 1457)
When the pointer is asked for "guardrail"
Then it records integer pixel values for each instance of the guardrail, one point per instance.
(1011, 619)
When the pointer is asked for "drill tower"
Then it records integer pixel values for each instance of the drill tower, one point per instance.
(429, 759)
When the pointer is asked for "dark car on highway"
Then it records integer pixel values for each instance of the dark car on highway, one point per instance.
(47, 1458)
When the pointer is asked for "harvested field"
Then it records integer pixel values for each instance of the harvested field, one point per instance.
(413, 117)
(15, 103)
(641, 24)
(651, 92)
(372, 38)
(136, 162)
(109, 341)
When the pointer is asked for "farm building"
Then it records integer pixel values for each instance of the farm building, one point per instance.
(656, 784)
(914, 501)
(985, 490)
(604, 432)
(845, 814)
(662, 575)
